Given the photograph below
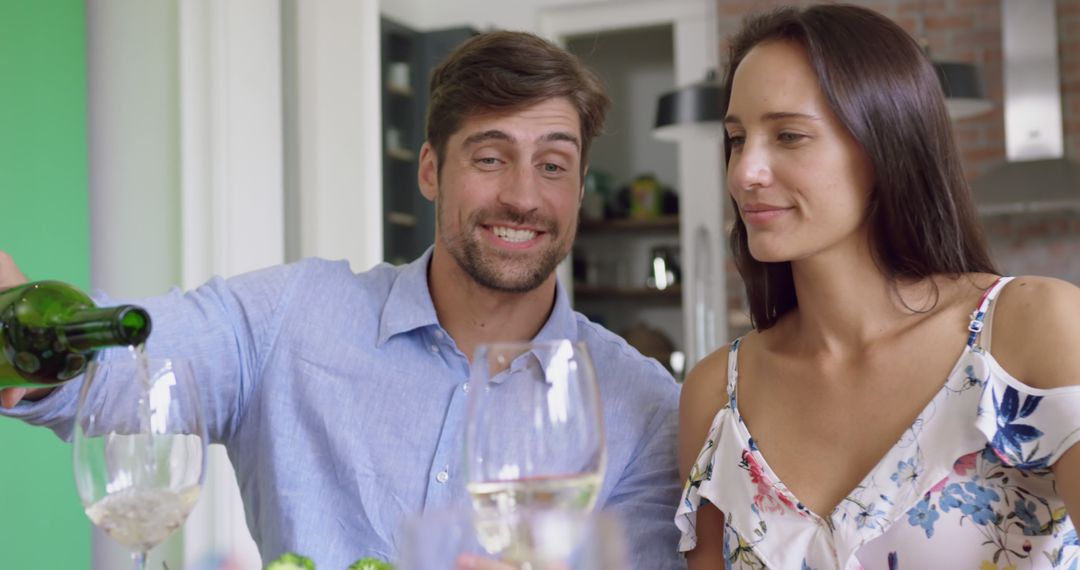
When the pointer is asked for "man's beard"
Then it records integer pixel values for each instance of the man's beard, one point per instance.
(500, 270)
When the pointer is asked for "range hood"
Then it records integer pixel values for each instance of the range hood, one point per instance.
(1036, 177)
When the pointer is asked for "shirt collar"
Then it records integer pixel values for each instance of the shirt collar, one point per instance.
(562, 322)
(409, 306)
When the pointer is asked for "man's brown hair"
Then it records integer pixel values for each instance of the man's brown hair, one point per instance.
(506, 71)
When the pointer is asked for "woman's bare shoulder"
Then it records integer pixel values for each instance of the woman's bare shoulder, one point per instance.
(1036, 331)
(710, 372)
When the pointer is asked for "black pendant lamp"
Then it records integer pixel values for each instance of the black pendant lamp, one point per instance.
(960, 81)
(693, 110)
(964, 94)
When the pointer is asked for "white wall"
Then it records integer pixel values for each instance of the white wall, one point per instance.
(526, 15)
(480, 14)
(133, 146)
(334, 133)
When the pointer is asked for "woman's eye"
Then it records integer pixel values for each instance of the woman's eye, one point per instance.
(791, 137)
(736, 140)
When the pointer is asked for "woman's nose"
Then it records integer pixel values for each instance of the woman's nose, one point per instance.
(749, 168)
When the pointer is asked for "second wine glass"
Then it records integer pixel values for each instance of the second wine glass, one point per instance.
(534, 441)
(139, 448)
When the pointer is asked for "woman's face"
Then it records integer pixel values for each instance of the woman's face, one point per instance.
(801, 182)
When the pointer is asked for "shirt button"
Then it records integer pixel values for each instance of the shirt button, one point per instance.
(442, 477)
(465, 387)
(434, 348)
(438, 334)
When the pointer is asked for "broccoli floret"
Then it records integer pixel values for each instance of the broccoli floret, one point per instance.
(291, 561)
(371, 564)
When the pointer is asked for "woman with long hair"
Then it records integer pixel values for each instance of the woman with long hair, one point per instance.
(867, 421)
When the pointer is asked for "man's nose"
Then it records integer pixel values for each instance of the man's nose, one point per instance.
(520, 189)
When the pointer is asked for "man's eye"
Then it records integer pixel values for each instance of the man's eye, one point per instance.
(488, 161)
(552, 168)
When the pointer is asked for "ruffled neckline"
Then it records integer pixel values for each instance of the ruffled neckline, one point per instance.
(865, 513)
(975, 408)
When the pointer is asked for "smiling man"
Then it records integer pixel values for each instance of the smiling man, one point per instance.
(506, 192)
(341, 397)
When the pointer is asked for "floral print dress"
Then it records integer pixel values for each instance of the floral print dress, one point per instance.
(968, 485)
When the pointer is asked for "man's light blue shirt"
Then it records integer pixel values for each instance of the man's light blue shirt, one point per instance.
(341, 402)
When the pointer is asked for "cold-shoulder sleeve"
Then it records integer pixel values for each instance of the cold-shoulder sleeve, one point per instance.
(701, 472)
(1028, 428)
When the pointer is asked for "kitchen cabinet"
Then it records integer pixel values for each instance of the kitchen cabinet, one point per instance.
(407, 59)
(615, 282)
(614, 259)
(613, 256)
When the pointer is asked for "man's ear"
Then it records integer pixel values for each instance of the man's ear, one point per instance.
(428, 175)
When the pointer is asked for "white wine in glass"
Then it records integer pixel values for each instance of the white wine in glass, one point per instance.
(534, 442)
(139, 448)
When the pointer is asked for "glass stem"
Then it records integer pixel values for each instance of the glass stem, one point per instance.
(140, 560)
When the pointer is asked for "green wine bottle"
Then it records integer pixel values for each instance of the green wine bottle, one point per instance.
(50, 330)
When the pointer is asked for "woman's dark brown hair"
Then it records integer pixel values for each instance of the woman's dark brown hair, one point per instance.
(505, 71)
(884, 89)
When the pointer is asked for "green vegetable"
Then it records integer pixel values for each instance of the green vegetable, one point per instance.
(371, 564)
(291, 561)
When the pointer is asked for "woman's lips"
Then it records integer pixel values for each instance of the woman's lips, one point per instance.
(760, 215)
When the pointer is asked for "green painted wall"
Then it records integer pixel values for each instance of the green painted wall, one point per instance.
(44, 224)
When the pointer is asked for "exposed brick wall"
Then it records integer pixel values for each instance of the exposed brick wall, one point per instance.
(1068, 13)
(1037, 244)
(970, 30)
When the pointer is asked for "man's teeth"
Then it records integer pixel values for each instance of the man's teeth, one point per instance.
(513, 235)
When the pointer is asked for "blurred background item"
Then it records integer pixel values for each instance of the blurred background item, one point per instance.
(597, 194)
(664, 269)
(646, 197)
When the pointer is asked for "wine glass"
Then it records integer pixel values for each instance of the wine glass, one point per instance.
(534, 441)
(139, 448)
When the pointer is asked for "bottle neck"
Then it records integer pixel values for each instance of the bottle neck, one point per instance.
(93, 328)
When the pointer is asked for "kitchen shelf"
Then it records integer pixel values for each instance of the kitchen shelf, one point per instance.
(661, 224)
(401, 219)
(400, 90)
(402, 154)
(583, 292)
